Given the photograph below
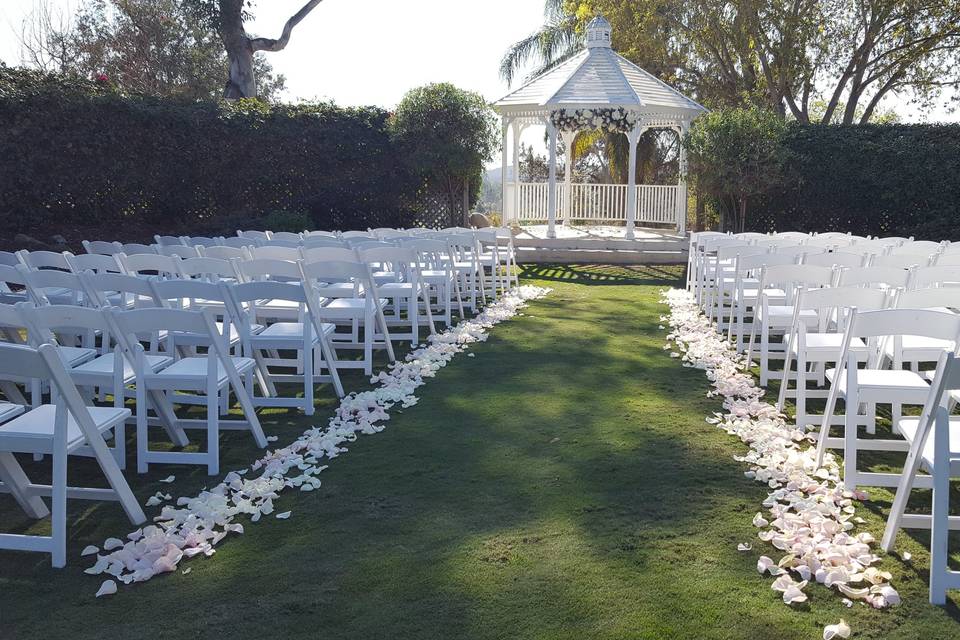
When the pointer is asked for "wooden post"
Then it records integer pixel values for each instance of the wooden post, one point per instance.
(552, 182)
(633, 137)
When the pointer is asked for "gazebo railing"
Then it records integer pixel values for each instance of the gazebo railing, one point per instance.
(656, 204)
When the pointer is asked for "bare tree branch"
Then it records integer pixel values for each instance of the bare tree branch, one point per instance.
(268, 44)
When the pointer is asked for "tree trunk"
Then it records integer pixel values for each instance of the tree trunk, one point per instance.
(742, 222)
(241, 82)
(700, 210)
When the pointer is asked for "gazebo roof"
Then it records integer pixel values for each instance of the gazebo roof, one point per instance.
(598, 77)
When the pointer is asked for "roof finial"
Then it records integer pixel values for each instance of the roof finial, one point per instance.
(598, 33)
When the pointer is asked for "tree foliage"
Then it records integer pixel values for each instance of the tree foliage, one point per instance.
(149, 47)
(788, 56)
(447, 135)
(736, 156)
(81, 158)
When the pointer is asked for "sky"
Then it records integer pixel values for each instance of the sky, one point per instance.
(370, 52)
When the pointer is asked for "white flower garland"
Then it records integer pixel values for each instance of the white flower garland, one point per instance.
(197, 524)
(811, 515)
(614, 120)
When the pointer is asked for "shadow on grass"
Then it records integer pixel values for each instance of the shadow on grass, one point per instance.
(592, 274)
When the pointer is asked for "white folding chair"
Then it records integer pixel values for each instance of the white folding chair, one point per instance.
(937, 276)
(836, 259)
(62, 428)
(259, 236)
(902, 260)
(179, 250)
(402, 287)
(275, 252)
(200, 241)
(152, 266)
(286, 236)
(746, 293)
(360, 312)
(437, 275)
(934, 440)
(774, 312)
(211, 374)
(224, 253)
(310, 343)
(876, 385)
(95, 262)
(875, 277)
(101, 247)
(136, 248)
(813, 347)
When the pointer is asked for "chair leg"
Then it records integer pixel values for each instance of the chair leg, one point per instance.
(850, 434)
(143, 441)
(213, 430)
(764, 353)
(308, 355)
(940, 525)
(58, 503)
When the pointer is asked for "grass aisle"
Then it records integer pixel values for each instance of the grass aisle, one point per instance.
(560, 484)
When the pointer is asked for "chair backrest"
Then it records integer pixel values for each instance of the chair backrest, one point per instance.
(137, 323)
(948, 258)
(272, 252)
(96, 262)
(833, 305)
(790, 276)
(918, 247)
(940, 275)
(150, 264)
(731, 251)
(269, 269)
(291, 244)
(224, 253)
(361, 244)
(798, 251)
(285, 236)
(44, 260)
(187, 294)
(179, 250)
(135, 248)
(905, 322)
(318, 254)
(13, 321)
(400, 260)
(901, 261)
(238, 242)
(8, 258)
(829, 242)
(254, 235)
(209, 269)
(322, 241)
(357, 234)
(335, 271)
(80, 323)
(12, 276)
(40, 284)
(319, 234)
(929, 298)
(800, 236)
(165, 241)
(200, 241)
(102, 247)
(892, 277)
(836, 259)
(126, 290)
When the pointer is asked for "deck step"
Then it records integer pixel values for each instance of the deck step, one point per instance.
(544, 255)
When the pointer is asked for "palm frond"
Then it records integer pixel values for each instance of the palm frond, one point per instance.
(555, 40)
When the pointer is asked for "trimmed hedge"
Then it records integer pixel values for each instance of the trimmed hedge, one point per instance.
(901, 180)
(78, 155)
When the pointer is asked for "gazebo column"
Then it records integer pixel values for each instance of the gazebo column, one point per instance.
(633, 137)
(505, 214)
(567, 138)
(682, 182)
(552, 182)
(518, 128)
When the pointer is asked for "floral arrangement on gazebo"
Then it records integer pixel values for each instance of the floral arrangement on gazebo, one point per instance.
(607, 119)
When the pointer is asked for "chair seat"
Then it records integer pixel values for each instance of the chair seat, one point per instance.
(9, 410)
(908, 429)
(340, 289)
(102, 366)
(779, 315)
(73, 356)
(32, 432)
(434, 275)
(903, 383)
(347, 304)
(194, 371)
(920, 348)
(829, 343)
(288, 333)
(396, 287)
(773, 294)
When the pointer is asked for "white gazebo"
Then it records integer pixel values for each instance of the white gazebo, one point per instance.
(595, 89)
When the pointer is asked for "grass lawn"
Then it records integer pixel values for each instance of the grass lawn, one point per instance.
(561, 484)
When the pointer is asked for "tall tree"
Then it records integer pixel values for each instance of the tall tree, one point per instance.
(228, 18)
(151, 47)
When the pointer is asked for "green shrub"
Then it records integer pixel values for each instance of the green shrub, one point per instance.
(883, 179)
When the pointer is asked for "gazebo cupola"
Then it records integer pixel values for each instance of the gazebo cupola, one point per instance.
(594, 89)
(598, 33)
